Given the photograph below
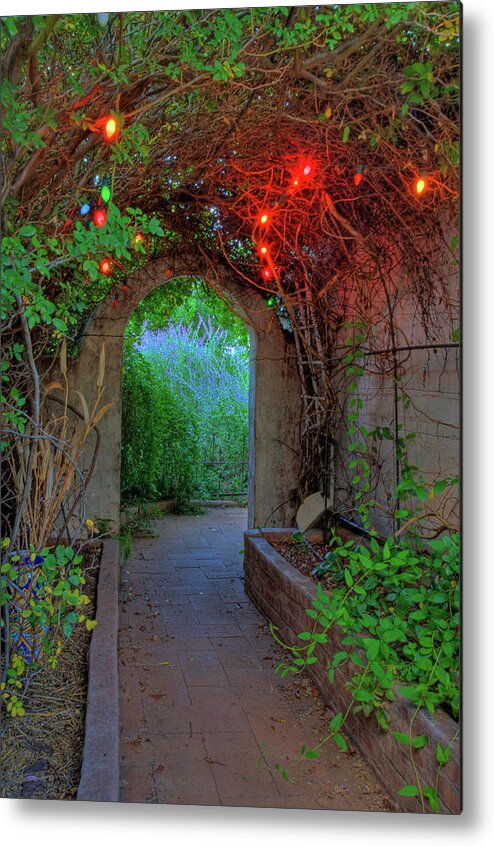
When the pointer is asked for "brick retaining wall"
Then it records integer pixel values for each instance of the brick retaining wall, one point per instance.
(283, 594)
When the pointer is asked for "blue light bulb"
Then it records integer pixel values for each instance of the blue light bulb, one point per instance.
(85, 208)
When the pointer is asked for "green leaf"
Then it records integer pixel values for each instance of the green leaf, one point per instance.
(27, 231)
(59, 324)
(409, 790)
(336, 722)
(410, 693)
(348, 578)
(442, 755)
(371, 648)
(363, 695)
(340, 741)
(420, 741)
(432, 797)
(401, 738)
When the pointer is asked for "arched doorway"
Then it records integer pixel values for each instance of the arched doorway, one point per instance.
(274, 399)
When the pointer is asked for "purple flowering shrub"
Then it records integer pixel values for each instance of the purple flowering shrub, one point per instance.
(185, 412)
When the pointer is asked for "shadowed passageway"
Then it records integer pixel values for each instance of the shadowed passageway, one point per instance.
(199, 702)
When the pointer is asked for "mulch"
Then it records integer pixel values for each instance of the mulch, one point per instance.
(305, 559)
(41, 752)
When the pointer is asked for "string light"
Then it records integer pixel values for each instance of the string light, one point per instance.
(85, 208)
(105, 266)
(99, 216)
(304, 173)
(105, 193)
(264, 218)
(420, 185)
(110, 128)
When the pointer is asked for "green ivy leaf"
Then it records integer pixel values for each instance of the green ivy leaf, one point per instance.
(409, 790)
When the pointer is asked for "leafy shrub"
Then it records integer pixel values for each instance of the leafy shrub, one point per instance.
(185, 401)
(159, 435)
(53, 609)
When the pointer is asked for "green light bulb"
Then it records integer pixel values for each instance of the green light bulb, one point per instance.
(105, 193)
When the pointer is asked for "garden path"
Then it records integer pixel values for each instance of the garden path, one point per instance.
(199, 702)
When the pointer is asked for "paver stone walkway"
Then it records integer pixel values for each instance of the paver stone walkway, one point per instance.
(199, 702)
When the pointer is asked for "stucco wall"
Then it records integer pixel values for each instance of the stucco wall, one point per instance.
(428, 370)
(274, 397)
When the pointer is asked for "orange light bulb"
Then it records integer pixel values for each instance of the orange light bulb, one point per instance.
(420, 185)
(110, 128)
(295, 183)
(105, 267)
(138, 238)
(264, 218)
(264, 250)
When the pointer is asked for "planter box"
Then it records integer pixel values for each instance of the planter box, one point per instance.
(283, 594)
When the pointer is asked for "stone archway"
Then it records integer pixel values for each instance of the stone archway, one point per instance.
(274, 401)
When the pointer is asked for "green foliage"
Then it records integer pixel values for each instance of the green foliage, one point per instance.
(159, 435)
(191, 370)
(399, 613)
(396, 604)
(53, 608)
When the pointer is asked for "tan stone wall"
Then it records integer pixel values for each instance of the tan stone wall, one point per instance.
(274, 397)
(429, 376)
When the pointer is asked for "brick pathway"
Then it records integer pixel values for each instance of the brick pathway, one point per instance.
(199, 702)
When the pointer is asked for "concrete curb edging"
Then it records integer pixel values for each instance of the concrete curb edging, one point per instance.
(283, 594)
(100, 771)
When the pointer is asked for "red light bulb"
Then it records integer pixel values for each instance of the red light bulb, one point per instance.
(358, 178)
(115, 302)
(307, 169)
(105, 267)
(266, 273)
(125, 288)
(99, 217)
